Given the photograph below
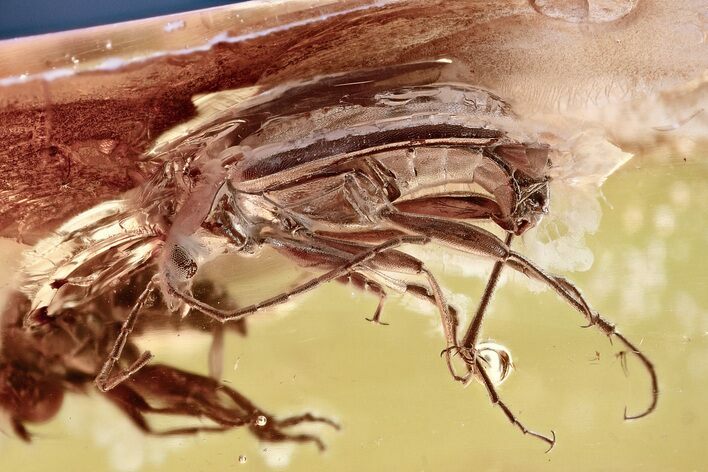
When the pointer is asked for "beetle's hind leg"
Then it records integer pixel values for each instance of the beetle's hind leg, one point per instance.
(478, 370)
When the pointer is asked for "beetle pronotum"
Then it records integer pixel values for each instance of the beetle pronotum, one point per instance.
(336, 173)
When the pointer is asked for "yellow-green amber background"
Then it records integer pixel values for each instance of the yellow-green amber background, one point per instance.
(397, 404)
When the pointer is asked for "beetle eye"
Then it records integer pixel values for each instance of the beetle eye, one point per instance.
(538, 200)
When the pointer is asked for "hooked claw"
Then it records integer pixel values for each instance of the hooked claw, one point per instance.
(551, 441)
(447, 350)
(594, 317)
(636, 417)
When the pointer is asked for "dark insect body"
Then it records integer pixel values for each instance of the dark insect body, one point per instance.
(38, 367)
(337, 173)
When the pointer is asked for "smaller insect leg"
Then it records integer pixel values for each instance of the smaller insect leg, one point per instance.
(272, 431)
(135, 406)
(104, 381)
(363, 283)
(184, 393)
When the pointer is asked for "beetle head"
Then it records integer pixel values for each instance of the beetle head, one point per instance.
(528, 164)
(532, 205)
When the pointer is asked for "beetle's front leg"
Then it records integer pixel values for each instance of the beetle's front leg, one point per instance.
(104, 382)
(216, 352)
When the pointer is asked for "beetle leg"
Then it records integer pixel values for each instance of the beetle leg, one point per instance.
(216, 352)
(397, 261)
(104, 380)
(330, 253)
(377, 314)
(230, 315)
(382, 254)
(449, 322)
(458, 207)
(391, 260)
(481, 374)
(496, 400)
(419, 291)
(475, 240)
(414, 289)
(363, 283)
(448, 315)
(469, 341)
(575, 298)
